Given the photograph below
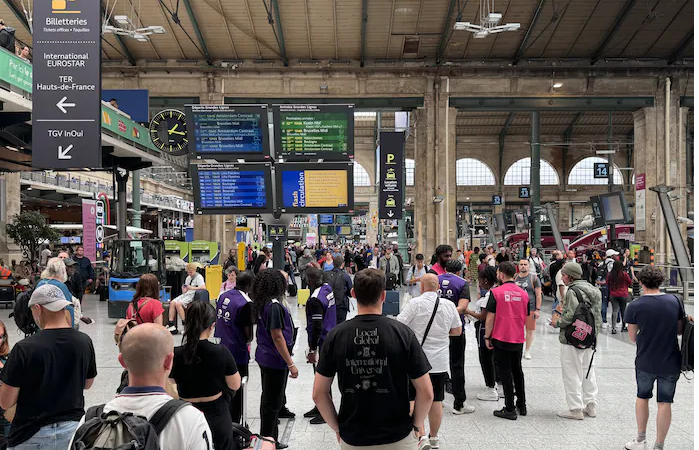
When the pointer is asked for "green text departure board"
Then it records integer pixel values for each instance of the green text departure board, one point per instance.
(305, 132)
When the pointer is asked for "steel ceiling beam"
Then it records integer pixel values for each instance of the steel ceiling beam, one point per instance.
(569, 130)
(628, 6)
(551, 103)
(15, 10)
(197, 31)
(446, 32)
(280, 31)
(684, 43)
(501, 144)
(365, 18)
(120, 40)
(528, 33)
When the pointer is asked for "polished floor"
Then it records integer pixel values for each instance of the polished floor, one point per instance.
(541, 429)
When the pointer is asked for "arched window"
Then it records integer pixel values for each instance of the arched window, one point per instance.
(361, 176)
(584, 172)
(519, 173)
(472, 172)
(410, 172)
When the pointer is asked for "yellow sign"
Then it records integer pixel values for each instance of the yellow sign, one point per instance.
(391, 159)
(326, 188)
(390, 174)
(60, 7)
(242, 255)
(391, 202)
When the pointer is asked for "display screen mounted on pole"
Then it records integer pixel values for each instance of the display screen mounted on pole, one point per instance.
(304, 132)
(391, 189)
(66, 126)
(90, 227)
(315, 188)
(228, 132)
(276, 232)
(232, 188)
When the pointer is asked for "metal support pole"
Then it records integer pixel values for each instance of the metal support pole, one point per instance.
(610, 174)
(689, 151)
(122, 176)
(402, 234)
(136, 198)
(535, 179)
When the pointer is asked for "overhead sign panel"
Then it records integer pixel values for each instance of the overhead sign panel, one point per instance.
(305, 132)
(276, 232)
(66, 128)
(392, 154)
(228, 132)
(324, 187)
(232, 188)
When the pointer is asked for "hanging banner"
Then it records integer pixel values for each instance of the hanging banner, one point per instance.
(391, 183)
(640, 219)
(90, 228)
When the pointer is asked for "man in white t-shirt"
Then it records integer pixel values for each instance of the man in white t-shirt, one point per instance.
(194, 282)
(417, 314)
(147, 352)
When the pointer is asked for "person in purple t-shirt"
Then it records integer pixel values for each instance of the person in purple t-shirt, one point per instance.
(234, 323)
(275, 341)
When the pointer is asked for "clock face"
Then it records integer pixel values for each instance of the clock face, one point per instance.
(168, 131)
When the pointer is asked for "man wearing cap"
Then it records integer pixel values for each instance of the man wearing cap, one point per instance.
(581, 387)
(45, 376)
(604, 269)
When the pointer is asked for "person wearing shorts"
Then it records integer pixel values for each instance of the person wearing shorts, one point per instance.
(194, 282)
(433, 334)
(530, 283)
(654, 320)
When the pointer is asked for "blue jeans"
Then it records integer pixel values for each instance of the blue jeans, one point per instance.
(605, 302)
(666, 386)
(55, 436)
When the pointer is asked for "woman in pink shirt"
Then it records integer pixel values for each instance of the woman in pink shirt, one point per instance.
(232, 275)
(618, 283)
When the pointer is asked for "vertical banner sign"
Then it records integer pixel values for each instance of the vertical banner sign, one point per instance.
(99, 230)
(640, 202)
(89, 227)
(66, 127)
(392, 159)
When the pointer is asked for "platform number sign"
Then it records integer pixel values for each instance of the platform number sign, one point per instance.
(601, 170)
(524, 192)
(497, 200)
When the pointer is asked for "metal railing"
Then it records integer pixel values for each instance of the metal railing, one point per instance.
(674, 282)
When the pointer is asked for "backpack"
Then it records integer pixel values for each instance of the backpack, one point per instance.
(582, 333)
(23, 314)
(123, 431)
(687, 347)
(337, 283)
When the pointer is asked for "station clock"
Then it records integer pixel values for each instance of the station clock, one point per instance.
(168, 131)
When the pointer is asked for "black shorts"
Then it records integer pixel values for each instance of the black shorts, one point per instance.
(439, 381)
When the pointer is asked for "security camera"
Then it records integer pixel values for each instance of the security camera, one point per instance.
(686, 220)
(437, 199)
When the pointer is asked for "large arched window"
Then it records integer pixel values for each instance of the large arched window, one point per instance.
(519, 173)
(410, 172)
(361, 176)
(472, 172)
(584, 172)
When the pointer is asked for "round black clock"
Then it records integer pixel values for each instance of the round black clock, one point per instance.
(168, 131)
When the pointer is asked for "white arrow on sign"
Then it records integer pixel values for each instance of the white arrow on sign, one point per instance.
(390, 214)
(62, 105)
(63, 154)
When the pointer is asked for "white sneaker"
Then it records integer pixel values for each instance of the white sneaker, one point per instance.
(434, 441)
(466, 409)
(605, 325)
(424, 444)
(590, 410)
(489, 395)
(575, 414)
(635, 445)
(170, 328)
(501, 392)
(527, 355)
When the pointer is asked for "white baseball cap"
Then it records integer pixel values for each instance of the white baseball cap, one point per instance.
(611, 253)
(50, 297)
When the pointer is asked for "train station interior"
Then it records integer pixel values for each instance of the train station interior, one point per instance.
(521, 124)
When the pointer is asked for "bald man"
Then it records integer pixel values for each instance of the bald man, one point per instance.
(433, 320)
(147, 352)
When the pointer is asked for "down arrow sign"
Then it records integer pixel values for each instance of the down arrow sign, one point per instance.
(63, 154)
(390, 213)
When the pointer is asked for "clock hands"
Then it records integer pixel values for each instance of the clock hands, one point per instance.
(182, 133)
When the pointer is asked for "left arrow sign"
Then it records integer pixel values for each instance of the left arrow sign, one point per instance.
(63, 154)
(62, 105)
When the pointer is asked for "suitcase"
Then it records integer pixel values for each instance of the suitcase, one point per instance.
(303, 296)
(390, 309)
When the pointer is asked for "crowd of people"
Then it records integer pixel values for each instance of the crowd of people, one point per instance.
(192, 394)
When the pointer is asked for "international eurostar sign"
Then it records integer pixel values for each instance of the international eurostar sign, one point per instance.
(66, 128)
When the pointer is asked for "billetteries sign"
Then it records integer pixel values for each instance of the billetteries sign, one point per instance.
(392, 154)
(66, 127)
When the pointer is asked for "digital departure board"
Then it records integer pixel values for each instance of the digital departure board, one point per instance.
(228, 132)
(322, 188)
(304, 132)
(232, 188)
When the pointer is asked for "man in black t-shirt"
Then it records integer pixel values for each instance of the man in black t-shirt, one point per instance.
(45, 376)
(374, 358)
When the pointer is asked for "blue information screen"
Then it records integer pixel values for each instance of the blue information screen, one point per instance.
(238, 132)
(326, 219)
(222, 186)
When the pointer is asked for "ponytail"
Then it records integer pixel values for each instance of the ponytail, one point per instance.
(200, 316)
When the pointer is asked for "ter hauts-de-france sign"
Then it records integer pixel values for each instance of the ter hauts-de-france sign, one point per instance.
(66, 127)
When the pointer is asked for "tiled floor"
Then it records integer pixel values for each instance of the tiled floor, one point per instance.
(540, 430)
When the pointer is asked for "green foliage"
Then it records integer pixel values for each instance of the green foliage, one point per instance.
(29, 230)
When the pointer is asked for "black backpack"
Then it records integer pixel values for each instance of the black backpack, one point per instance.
(23, 314)
(582, 333)
(123, 431)
(687, 347)
(336, 280)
